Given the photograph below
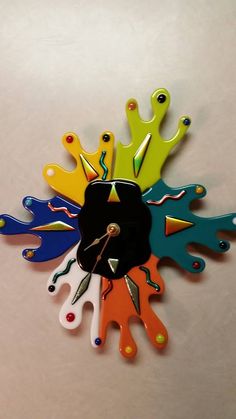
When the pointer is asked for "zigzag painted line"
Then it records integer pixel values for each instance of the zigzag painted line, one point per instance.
(64, 209)
(165, 197)
(66, 271)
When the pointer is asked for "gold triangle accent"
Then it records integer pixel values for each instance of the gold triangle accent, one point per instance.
(82, 288)
(133, 292)
(140, 154)
(54, 226)
(113, 197)
(89, 170)
(174, 225)
(113, 263)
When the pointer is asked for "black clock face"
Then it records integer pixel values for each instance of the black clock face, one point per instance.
(114, 224)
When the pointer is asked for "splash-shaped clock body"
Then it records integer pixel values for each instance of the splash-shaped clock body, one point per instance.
(117, 202)
(112, 230)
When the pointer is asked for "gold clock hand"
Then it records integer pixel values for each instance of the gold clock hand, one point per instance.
(99, 256)
(96, 241)
(84, 284)
(112, 230)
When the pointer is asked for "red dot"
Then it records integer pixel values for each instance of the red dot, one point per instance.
(196, 265)
(70, 317)
(69, 139)
(132, 106)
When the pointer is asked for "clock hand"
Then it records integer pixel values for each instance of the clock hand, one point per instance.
(99, 256)
(96, 241)
(112, 230)
(84, 284)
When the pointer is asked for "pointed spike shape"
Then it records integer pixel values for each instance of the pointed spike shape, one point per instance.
(113, 263)
(113, 197)
(140, 154)
(133, 291)
(55, 226)
(89, 170)
(174, 225)
(82, 288)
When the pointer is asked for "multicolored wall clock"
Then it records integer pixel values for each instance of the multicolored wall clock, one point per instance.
(117, 226)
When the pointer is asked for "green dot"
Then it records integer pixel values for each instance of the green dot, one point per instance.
(160, 338)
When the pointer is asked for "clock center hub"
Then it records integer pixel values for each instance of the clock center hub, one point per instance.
(113, 229)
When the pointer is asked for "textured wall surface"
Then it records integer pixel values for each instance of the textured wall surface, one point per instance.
(70, 66)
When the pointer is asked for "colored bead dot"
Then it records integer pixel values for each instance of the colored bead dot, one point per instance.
(28, 202)
(234, 220)
(132, 106)
(69, 139)
(51, 288)
(223, 245)
(186, 121)
(161, 98)
(128, 350)
(29, 254)
(106, 137)
(98, 341)
(196, 265)
(160, 338)
(70, 317)
(2, 222)
(50, 172)
(199, 189)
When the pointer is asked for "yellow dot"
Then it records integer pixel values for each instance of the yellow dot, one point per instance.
(199, 189)
(128, 349)
(29, 254)
(160, 338)
(2, 222)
